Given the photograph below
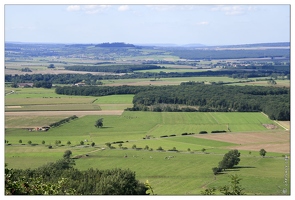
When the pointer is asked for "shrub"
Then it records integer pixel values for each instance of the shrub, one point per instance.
(203, 132)
(218, 131)
(172, 135)
(183, 133)
(49, 147)
(216, 170)
(160, 148)
(163, 136)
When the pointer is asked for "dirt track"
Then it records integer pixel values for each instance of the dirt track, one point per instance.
(63, 113)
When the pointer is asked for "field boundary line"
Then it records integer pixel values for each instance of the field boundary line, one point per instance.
(276, 122)
(213, 117)
(280, 125)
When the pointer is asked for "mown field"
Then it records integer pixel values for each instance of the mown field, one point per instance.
(39, 99)
(185, 172)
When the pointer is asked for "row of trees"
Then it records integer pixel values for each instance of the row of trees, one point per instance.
(88, 79)
(112, 68)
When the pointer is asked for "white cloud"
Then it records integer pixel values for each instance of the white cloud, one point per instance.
(123, 8)
(203, 23)
(171, 7)
(88, 9)
(73, 8)
(92, 9)
(233, 10)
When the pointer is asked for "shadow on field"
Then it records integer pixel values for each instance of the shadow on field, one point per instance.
(237, 167)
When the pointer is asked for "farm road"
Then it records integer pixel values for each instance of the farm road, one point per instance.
(62, 113)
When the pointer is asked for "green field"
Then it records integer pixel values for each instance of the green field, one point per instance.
(186, 172)
(39, 99)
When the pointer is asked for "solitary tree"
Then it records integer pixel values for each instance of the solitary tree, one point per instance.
(99, 123)
(43, 142)
(67, 154)
(29, 142)
(51, 66)
(230, 159)
(262, 152)
(92, 144)
(69, 143)
(20, 141)
(81, 143)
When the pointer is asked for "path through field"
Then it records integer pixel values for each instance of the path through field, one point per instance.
(62, 113)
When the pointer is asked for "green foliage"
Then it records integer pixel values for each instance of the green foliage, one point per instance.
(262, 152)
(20, 185)
(81, 142)
(93, 144)
(69, 143)
(149, 187)
(234, 188)
(43, 142)
(46, 180)
(29, 142)
(99, 123)
(230, 159)
(216, 170)
(56, 124)
(51, 66)
(160, 148)
(20, 141)
(67, 154)
(208, 191)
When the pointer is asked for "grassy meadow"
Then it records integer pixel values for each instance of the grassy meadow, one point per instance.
(185, 172)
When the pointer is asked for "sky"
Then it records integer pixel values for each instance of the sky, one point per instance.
(147, 23)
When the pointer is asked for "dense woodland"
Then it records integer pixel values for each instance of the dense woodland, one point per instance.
(273, 101)
(90, 79)
(112, 68)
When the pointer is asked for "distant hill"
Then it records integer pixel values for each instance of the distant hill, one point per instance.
(276, 44)
(115, 44)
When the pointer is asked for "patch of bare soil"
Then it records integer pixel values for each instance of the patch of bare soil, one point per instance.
(269, 126)
(277, 141)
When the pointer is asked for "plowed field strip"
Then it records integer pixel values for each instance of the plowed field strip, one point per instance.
(63, 113)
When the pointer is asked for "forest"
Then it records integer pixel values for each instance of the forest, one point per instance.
(273, 101)
(90, 79)
(112, 68)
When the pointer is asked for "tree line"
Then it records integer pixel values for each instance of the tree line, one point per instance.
(90, 79)
(112, 68)
(273, 101)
